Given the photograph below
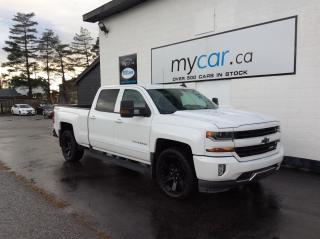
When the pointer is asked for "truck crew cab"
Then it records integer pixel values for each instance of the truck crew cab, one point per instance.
(184, 139)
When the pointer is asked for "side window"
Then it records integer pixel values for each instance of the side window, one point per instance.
(136, 97)
(107, 100)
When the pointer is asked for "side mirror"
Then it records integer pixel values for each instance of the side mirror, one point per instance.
(215, 100)
(126, 109)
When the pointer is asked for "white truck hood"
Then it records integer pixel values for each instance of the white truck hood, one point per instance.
(225, 117)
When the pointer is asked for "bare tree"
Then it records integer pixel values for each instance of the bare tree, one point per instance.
(47, 52)
(21, 46)
(81, 46)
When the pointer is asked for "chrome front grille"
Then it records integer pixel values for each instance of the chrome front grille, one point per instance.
(256, 149)
(255, 133)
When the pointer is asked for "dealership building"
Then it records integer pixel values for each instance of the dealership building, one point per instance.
(261, 56)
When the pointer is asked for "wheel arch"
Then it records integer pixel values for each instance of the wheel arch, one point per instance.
(162, 144)
(64, 126)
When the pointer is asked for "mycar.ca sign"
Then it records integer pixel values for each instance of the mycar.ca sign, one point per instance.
(265, 49)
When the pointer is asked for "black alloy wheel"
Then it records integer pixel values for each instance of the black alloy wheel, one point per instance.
(70, 149)
(174, 173)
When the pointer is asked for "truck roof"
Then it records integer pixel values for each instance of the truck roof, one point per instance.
(146, 86)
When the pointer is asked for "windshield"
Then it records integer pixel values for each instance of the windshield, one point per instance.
(24, 106)
(169, 101)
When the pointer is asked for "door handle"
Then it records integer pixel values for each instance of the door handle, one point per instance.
(118, 121)
(93, 117)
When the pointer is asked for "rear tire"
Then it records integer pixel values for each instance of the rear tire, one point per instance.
(70, 149)
(175, 174)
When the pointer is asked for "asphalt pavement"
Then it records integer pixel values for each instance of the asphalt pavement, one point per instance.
(125, 204)
(27, 215)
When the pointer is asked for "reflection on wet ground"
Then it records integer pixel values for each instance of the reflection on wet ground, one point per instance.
(127, 204)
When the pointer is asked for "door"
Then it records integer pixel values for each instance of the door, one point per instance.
(102, 121)
(132, 134)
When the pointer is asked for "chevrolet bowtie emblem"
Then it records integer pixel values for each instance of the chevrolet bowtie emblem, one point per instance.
(265, 140)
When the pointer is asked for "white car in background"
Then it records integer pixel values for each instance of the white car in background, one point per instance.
(22, 109)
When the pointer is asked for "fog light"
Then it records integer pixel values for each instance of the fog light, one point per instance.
(221, 169)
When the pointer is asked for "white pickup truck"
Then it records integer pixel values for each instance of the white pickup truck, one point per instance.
(184, 139)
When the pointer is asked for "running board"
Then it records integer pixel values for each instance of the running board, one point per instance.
(122, 162)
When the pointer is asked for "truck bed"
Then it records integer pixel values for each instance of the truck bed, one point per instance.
(77, 116)
(88, 107)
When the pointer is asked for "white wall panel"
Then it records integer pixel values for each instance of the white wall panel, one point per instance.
(294, 99)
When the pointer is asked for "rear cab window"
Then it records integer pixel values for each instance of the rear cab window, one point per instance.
(107, 100)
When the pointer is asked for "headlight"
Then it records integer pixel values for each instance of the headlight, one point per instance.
(219, 135)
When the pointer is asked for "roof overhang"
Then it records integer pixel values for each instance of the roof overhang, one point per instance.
(109, 9)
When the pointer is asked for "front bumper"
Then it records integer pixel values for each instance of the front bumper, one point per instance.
(236, 173)
(27, 113)
(220, 186)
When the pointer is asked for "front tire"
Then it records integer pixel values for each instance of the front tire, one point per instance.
(175, 174)
(70, 149)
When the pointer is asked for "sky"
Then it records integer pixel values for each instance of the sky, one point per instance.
(62, 16)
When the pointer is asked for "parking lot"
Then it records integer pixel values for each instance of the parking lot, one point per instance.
(126, 204)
